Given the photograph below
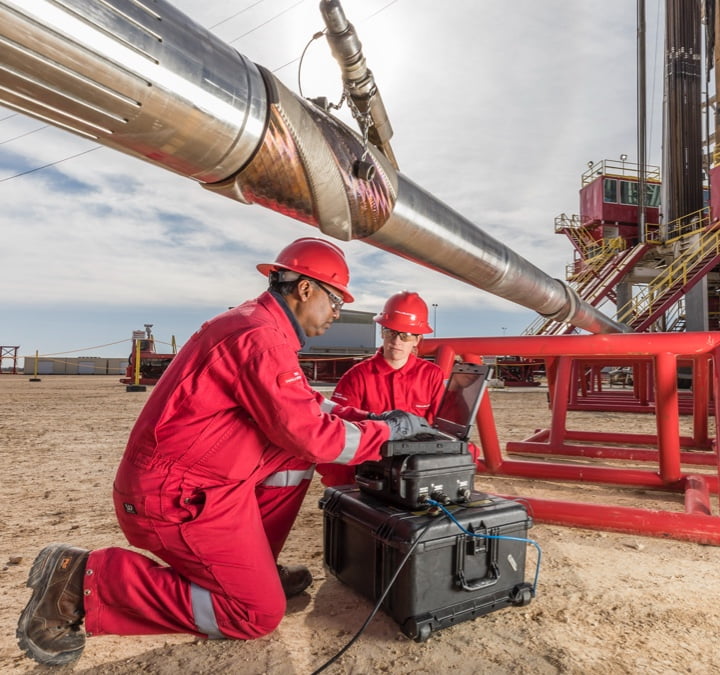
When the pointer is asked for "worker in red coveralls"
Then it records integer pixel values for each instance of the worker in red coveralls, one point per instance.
(213, 476)
(394, 378)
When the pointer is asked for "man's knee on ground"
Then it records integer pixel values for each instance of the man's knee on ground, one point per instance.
(249, 625)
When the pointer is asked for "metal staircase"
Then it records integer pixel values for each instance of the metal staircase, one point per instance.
(701, 254)
(604, 263)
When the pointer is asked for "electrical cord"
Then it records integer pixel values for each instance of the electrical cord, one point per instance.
(394, 577)
(481, 535)
(316, 36)
(378, 604)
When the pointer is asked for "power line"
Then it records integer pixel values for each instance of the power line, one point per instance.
(265, 23)
(86, 349)
(382, 9)
(27, 133)
(45, 166)
(219, 23)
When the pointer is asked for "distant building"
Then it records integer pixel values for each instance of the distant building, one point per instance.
(352, 333)
(80, 365)
(350, 339)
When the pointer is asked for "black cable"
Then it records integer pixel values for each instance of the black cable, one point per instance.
(265, 23)
(452, 518)
(316, 36)
(27, 133)
(481, 535)
(232, 16)
(378, 604)
(45, 166)
(382, 9)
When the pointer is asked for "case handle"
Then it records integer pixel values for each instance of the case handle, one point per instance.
(493, 570)
(493, 576)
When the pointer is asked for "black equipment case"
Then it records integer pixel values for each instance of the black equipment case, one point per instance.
(449, 576)
(406, 480)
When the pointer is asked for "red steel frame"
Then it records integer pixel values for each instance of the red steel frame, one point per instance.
(589, 392)
(656, 357)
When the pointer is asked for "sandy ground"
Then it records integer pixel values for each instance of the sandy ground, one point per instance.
(606, 603)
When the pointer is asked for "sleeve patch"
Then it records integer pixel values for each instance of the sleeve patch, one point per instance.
(289, 377)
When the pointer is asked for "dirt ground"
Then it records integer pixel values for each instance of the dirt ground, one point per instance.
(606, 602)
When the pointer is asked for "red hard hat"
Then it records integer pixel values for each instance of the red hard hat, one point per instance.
(405, 312)
(314, 258)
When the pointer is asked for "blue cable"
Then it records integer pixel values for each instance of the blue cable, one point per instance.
(432, 502)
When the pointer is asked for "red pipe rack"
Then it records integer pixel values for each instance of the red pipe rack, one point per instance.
(655, 357)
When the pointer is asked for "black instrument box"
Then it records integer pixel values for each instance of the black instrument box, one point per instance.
(449, 576)
(405, 480)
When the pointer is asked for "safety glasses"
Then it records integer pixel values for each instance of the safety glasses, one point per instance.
(391, 334)
(336, 302)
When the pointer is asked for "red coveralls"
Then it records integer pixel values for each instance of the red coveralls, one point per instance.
(375, 386)
(212, 479)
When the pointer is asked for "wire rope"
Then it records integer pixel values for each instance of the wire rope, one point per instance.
(85, 349)
(27, 133)
(232, 16)
(45, 166)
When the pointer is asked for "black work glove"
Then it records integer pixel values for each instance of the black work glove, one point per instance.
(384, 415)
(404, 425)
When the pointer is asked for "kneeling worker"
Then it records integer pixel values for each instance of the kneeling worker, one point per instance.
(213, 476)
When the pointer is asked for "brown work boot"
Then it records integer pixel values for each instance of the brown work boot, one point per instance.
(49, 626)
(294, 579)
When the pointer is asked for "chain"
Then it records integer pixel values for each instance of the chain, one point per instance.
(362, 118)
(338, 105)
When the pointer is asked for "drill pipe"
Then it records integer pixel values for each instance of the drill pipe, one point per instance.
(144, 79)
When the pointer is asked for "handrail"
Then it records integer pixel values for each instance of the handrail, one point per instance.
(679, 270)
(687, 225)
(623, 169)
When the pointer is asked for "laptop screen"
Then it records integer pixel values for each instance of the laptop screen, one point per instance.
(460, 402)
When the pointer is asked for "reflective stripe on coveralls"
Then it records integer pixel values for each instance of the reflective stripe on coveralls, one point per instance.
(204, 613)
(352, 435)
(288, 478)
(327, 406)
(352, 442)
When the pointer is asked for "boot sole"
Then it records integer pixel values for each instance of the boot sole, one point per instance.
(39, 580)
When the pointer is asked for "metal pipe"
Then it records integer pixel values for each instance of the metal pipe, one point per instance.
(126, 75)
(142, 78)
(668, 422)
(641, 123)
(694, 526)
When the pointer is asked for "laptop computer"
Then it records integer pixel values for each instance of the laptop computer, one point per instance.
(455, 416)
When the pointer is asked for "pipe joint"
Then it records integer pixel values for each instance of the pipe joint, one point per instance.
(569, 309)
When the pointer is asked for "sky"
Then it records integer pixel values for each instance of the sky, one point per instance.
(496, 107)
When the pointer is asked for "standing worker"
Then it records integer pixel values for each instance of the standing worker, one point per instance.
(213, 476)
(394, 378)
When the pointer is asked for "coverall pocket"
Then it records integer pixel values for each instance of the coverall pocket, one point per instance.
(192, 503)
(139, 529)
